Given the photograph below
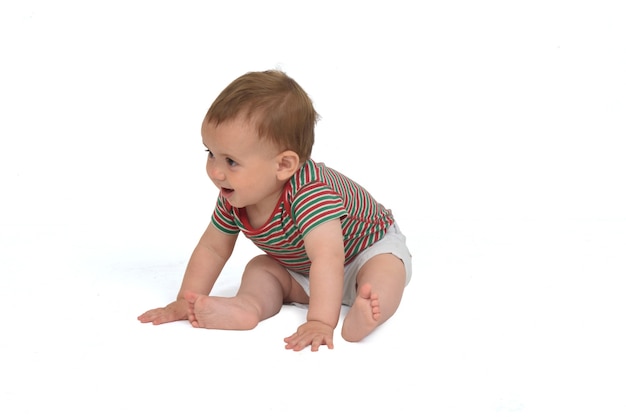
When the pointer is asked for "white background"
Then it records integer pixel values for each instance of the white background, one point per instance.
(495, 131)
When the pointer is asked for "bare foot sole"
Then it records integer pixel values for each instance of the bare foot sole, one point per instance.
(220, 312)
(363, 317)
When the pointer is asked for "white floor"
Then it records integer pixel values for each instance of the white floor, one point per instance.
(495, 133)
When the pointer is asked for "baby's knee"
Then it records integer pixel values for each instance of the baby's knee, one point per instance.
(261, 261)
(264, 264)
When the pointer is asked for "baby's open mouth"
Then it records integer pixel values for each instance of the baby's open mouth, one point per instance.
(226, 192)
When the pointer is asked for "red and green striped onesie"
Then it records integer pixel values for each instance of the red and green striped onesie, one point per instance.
(314, 195)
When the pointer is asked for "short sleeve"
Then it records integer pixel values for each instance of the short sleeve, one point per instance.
(314, 204)
(223, 217)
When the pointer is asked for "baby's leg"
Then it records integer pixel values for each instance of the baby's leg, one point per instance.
(381, 283)
(265, 285)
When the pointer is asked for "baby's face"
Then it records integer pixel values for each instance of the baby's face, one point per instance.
(242, 165)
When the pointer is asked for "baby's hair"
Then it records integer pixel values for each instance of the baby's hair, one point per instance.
(280, 108)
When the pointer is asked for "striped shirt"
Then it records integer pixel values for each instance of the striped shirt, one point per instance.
(314, 195)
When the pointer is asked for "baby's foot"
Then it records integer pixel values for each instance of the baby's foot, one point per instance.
(220, 312)
(363, 317)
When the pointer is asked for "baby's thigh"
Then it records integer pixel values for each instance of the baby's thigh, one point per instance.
(263, 270)
(384, 269)
(386, 274)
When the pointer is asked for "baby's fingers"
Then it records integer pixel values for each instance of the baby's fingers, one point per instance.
(150, 315)
(158, 316)
(298, 342)
(320, 340)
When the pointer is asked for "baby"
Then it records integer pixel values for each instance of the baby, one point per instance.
(326, 240)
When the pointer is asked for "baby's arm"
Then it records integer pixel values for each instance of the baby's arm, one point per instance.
(324, 246)
(205, 265)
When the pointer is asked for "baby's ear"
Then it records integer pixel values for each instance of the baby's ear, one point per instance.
(288, 164)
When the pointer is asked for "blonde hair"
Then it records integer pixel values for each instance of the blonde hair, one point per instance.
(280, 108)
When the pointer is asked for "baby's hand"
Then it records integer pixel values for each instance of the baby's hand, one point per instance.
(314, 333)
(174, 311)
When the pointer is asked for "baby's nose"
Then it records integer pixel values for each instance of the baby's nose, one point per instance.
(215, 173)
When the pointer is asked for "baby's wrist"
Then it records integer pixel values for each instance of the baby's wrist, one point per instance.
(321, 321)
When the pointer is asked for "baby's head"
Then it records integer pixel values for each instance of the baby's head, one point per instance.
(281, 110)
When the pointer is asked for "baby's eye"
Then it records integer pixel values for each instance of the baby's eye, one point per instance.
(210, 153)
(230, 162)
